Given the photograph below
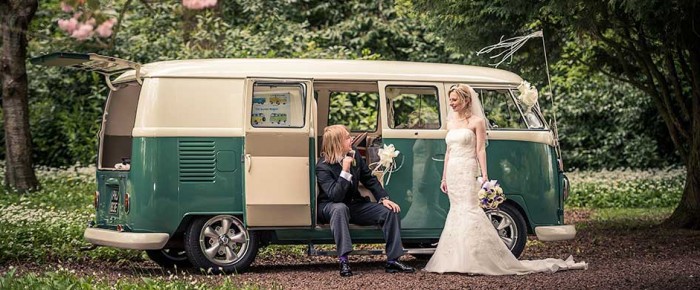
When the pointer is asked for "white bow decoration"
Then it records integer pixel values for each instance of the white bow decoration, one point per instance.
(386, 162)
(528, 95)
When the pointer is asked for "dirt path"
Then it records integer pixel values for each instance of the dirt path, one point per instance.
(619, 256)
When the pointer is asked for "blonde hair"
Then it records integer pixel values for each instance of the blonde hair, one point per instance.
(464, 93)
(333, 138)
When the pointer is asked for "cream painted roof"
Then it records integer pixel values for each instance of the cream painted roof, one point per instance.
(325, 69)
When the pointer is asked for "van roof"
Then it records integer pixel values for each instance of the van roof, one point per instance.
(325, 69)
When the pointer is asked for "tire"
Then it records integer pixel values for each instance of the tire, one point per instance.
(220, 244)
(169, 258)
(511, 227)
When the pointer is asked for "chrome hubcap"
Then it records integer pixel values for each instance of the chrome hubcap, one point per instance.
(505, 226)
(224, 240)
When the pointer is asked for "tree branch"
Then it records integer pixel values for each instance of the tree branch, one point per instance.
(677, 87)
(664, 86)
(119, 23)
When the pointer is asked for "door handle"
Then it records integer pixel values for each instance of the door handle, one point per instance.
(247, 162)
(438, 157)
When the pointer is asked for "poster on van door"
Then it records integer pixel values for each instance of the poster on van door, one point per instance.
(271, 109)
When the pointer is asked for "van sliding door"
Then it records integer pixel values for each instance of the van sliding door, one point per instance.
(277, 159)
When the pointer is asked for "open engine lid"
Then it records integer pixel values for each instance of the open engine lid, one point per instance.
(105, 65)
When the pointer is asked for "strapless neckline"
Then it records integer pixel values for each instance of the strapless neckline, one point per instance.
(470, 130)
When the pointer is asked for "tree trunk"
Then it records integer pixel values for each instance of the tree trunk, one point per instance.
(15, 16)
(687, 214)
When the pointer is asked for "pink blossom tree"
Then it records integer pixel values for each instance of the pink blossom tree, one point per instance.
(82, 25)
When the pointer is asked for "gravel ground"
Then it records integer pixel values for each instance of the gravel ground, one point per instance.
(619, 256)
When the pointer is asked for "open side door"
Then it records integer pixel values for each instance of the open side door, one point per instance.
(104, 65)
(277, 153)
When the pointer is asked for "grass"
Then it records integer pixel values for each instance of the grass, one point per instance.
(68, 279)
(630, 218)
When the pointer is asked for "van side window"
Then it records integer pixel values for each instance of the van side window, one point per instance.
(358, 111)
(278, 105)
(413, 107)
(501, 110)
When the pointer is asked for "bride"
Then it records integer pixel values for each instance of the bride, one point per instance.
(469, 243)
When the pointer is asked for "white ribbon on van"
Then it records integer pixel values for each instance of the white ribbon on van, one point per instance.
(386, 162)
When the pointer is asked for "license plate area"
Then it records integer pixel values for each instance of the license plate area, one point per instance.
(113, 200)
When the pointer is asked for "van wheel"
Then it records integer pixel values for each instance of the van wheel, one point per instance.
(169, 258)
(220, 244)
(511, 227)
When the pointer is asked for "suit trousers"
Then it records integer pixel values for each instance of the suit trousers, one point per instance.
(364, 213)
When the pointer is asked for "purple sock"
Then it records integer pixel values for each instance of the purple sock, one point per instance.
(343, 258)
(391, 261)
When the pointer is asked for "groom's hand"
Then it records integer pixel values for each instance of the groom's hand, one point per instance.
(391, 205)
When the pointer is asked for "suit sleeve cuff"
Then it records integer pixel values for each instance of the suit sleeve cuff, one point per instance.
(346, 175)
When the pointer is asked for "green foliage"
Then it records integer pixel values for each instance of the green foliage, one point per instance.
(596, 45)
(48, 225)
(357, 111)
(626, 189)
(607, 124)
(67, 279)
(66, 106)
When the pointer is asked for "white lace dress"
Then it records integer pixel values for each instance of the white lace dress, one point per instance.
(469, 243)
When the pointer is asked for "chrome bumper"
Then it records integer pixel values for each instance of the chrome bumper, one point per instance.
(555, 233)
(126, 240)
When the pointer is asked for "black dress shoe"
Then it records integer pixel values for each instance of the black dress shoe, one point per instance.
(395, 267)
(345, 269)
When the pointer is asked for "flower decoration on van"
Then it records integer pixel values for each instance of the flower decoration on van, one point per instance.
(528, 95)
(491, 194)
(386, 162)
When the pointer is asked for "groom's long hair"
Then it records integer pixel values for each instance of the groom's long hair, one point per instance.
(332, 149)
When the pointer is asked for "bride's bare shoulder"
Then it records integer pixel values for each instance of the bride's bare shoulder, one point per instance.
(478, 120)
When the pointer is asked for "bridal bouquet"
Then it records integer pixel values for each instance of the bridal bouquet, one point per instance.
(491, 194)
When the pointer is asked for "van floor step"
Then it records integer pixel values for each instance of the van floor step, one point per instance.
(312, 251)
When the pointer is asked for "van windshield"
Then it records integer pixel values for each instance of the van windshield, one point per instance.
(118, 122)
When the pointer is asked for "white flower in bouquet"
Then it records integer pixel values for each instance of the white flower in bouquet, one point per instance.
(528, 95)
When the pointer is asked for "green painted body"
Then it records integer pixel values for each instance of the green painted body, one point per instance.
(172, 179)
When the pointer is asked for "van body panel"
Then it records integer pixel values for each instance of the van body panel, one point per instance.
(167, 186)
(179, 107)
(527, 169)
(415, 185)
(324, 69)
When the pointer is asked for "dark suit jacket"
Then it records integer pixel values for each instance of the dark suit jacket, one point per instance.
(334, 188)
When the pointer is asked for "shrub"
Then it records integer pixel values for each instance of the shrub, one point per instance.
(626, 188)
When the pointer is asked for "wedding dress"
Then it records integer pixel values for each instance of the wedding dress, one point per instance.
(469, 243)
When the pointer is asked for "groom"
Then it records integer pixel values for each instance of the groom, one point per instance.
(339, 171)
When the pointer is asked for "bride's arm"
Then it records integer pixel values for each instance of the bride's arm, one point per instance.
(443, 182)
(481, 147)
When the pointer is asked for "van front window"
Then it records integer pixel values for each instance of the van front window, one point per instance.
(501, 110)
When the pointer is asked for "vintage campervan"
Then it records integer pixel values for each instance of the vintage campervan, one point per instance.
(204, 161)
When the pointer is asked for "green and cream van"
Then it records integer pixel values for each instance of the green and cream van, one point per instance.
(202, 162)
